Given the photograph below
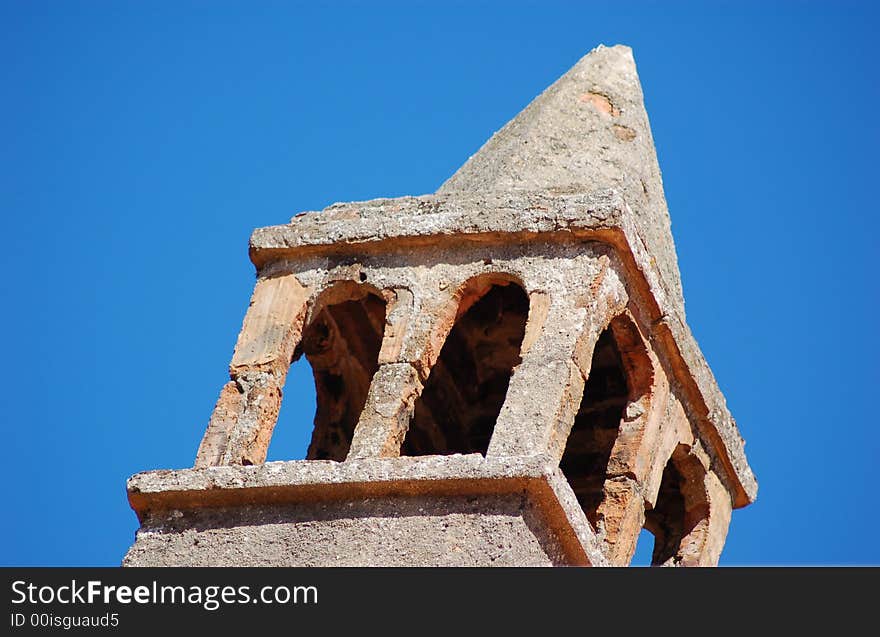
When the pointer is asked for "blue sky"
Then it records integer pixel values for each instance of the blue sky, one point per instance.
(143, 141)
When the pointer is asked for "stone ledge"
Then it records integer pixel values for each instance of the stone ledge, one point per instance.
(369, 224)
(304, 481)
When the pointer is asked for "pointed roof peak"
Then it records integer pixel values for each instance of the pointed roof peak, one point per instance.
(589, 116)
(588, 131)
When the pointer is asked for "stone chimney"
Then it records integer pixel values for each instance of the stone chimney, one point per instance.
(503, 369)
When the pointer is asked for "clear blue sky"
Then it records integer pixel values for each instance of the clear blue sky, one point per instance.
(143, 141)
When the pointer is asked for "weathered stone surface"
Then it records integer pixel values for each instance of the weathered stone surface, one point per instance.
(245, 414)
(164, 495)
(635, 449)
(531, 312)
(673, 429)
(586, 132)
(272, 322)
(719, 521)
(498, 530)
(223, 423)
(692, 511)
(620, 519)
(380, 224)
(386, 415)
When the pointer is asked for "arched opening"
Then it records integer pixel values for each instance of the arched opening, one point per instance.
(601, 457)
(463, 395)
(666, 520)
(681, 506)
(596, 425)
(341, 343)
(644, 549)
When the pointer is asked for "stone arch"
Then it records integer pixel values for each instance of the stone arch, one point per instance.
(482, 334)
(604, 458)
(680, 518)
(341, 341)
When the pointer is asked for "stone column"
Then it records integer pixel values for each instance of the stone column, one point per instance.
(243, 419)
(415, 321)
(708, 508)
(545, 390)
(633, 461)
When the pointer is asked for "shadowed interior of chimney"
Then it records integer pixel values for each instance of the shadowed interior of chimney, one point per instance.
(465, 390)
(342, 344)
(596, 426)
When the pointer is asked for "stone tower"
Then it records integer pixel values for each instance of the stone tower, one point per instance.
(503, 370)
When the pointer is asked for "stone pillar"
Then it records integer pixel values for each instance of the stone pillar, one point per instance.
(407, 346)
(708, 507)
(622, 513)
(546, 388)
(243, 419)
